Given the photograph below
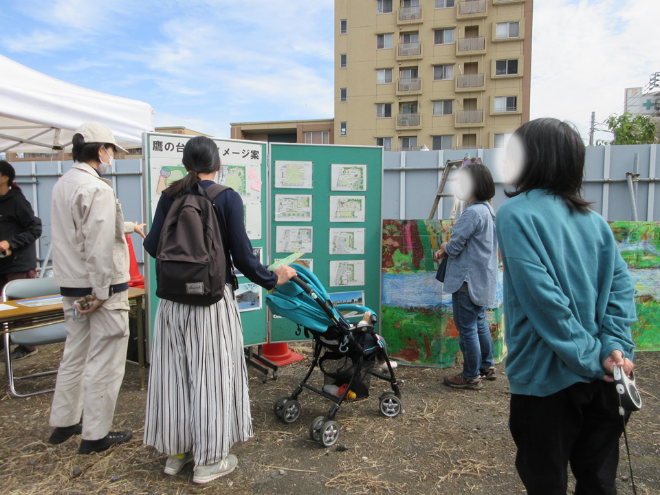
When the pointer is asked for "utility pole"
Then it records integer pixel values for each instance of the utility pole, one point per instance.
(591, 131)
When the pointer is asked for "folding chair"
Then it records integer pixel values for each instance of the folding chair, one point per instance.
(42, 335)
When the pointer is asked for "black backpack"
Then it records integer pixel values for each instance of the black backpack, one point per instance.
(191, 260)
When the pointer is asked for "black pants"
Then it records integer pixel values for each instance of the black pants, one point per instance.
(581, 425)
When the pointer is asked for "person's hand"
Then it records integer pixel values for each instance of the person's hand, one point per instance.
(616, 359)
(5, 246)
(139, 231)
(95, 305)
(439, 254)
(284, 274)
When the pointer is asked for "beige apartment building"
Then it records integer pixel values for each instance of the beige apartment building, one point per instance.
(445, 74)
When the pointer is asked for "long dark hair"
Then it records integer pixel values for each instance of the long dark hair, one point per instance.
(554, 161)
(200, 156)
(86, 152)
(7, 170)
(484, 186)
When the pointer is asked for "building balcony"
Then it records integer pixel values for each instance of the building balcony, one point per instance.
(411, 148)
(472, 9)
(409, 121)
(469, 118)
(471, 46)
(470, 82)
(409, 51)
(410, 15)
(409, 86)
(475, 147)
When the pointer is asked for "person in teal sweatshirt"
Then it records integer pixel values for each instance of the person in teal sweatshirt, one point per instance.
(568, 306)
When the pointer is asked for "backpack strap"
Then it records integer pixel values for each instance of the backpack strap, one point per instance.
(211, 193)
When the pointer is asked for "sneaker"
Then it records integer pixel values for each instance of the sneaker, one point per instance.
(112, 438)
(383, 367)
(459, 381)
(488, 374)
(206, 474)
(174, 465)
(22, 352)
(62, 434)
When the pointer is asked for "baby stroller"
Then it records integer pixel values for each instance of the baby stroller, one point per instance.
(345, 353)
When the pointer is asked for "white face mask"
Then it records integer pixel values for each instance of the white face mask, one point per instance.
(104, 167)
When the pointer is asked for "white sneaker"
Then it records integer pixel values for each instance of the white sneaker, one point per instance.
(383, 367)
(206, 474)
(174, 465)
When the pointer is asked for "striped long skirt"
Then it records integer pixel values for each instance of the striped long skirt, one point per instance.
(198, 384)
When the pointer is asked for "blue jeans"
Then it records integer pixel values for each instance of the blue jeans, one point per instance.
(474, 335)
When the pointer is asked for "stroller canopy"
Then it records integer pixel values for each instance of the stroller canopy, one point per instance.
(291, 302)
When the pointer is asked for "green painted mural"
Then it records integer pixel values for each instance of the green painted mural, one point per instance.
(417, 319)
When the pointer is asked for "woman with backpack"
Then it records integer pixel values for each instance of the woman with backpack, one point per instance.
(19, 230)
(197, 403)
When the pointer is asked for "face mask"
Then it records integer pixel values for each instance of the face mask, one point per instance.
(104, 167)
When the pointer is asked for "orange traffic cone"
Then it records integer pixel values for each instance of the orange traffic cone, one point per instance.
(280, 354)
(137, 280)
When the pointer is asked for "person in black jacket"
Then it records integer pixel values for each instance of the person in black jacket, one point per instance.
(19, 230)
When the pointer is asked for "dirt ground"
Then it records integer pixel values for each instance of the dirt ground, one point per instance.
(445, 442)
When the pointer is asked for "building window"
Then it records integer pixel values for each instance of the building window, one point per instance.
(444, 4)
(342, 128)
(317, 137)
(443, 36)
(443, 142)
(443, 107)
(501, 140)
(384, 6)
(507, 30)
(342, 95)
(383, 110)
(469, 141)
(410, 38)
(443, 72)
(343, 26)
(342, 61)
(384, 41)
(385, 142)
(409, 73)
(383, 76)
(506, 67)
(506, 104)
(409, 3)
(408, 143)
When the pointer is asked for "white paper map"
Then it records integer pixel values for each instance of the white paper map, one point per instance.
(346, 241)
(348, 177)
(308, 262)
(292, 239)
(346, 273)
(294, 175)
(347, 208)
(293, 208)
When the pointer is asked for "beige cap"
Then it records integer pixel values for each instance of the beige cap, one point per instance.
(95, 132)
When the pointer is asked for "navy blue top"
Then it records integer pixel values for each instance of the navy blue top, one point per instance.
(230, 205)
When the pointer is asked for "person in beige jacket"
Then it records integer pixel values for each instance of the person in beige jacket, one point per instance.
(90, 256)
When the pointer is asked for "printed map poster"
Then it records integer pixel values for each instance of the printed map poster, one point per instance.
(346, 241)
(348, 177)
(292, 239)
(293, 208)
(240, 170)
(248, 297)
(293, 175)
(346, 273)
(347, 208)
(306, 262)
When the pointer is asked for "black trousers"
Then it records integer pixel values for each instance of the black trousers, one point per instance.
(579, 425)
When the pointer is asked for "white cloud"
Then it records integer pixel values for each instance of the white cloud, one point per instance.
(585, 53)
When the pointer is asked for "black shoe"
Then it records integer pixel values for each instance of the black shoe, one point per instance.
(61, 435)
(112, 438)
(488, 374)
(22, 352)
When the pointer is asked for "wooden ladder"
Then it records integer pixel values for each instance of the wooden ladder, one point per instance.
(440, 194)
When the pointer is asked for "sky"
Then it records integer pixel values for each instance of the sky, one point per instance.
(203, 64)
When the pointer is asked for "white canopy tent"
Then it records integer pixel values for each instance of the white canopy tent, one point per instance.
(39, 114)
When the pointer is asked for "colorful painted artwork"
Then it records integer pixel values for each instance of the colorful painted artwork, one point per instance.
(639, 244)
(417, 319)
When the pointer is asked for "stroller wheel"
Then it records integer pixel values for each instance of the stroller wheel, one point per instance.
(315, 428)
(390, 405)
(329, 433)
(279, 404)
(291, 411)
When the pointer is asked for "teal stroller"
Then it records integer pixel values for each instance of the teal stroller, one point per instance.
(345, 352)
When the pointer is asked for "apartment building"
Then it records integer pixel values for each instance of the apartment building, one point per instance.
(445, 74)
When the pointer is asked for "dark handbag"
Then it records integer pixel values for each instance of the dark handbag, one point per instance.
(442, 269)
